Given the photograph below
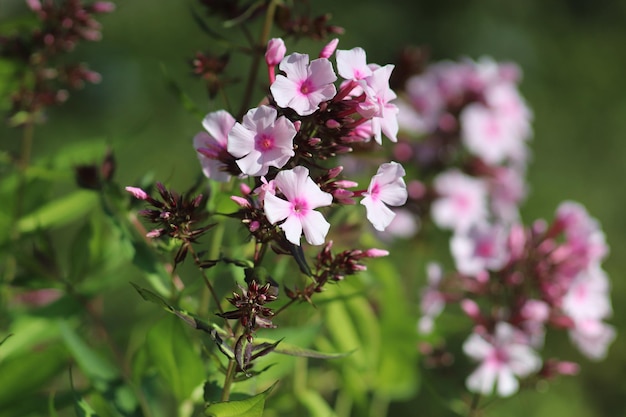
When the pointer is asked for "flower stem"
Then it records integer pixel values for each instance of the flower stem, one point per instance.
(258, 52)
(228, 380)
(473, 410)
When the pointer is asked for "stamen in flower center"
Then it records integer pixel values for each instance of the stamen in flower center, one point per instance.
(264, 142)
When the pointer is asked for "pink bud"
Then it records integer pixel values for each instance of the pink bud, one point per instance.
(240, 201)
(254, 226)
(275, 52)
(154, 233)
(34, 5)
(297, 125)
(333, 172)
(333, 124)
(346, 184)
(138, 193)
(103, 7)
(471, 309)
(567, 368)
(245, 189)
(375, 253)
(329, 49)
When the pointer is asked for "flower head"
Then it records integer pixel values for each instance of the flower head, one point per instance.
(461, 202)
(305, 85)
(303, 196)
(387, 187)
(261, 141)
(502, 358)
(211, 145)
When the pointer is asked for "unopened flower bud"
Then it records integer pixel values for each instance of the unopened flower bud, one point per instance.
(138, 193)
(333, 124)
(375, 253)
(240, 201)
(471, 309)
(329, 49)
(275, 52)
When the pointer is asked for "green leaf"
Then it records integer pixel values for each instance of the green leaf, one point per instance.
(293, 350)
(24, 374)
(172, 352)
(250, 407)
(59, 212)
(315, 404)
(81, 407)
(186, 101)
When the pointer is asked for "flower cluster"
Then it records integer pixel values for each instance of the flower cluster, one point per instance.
(62, 26)
(285, 143)
(178, 216)
(514, 282)
(473, 127)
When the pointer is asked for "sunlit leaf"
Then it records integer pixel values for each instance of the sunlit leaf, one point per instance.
(59, 211)
(294, 350)
(250, 407)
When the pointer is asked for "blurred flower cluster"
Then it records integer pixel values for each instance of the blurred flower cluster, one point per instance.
(464, 128)
(44, 75)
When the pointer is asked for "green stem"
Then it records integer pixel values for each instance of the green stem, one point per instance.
(473, 410)
(228, 380)
(258, 53)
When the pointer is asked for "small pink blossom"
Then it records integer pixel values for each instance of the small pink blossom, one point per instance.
(138, 193)
(461, 202)
(212, 144)
(303, 196)
(352, 64)
(482, 247)
(387, 188)
(432, 300)
(261, 141)
(305, 85)
(502, 357)
(378, 106)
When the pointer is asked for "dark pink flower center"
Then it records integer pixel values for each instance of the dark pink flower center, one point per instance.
(299, 207)
(264, 142)
(306, 87)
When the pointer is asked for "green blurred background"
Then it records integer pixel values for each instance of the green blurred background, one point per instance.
(573, 56)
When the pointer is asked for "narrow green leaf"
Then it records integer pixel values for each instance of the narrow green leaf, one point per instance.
(186, 101)
(315, 404)
(293, 350)
(94, 365)
(59, 212)
(250, 407)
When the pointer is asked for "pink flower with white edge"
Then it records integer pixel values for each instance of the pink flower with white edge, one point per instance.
(261, 141)
(305, 85)
(303, 196)
(502, 358)
(378, 106)
(592, 337)
(212, 143)
(387, 188)
(461, 203)
(482, 247)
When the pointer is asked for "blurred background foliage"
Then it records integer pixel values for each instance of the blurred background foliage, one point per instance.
(572, 56)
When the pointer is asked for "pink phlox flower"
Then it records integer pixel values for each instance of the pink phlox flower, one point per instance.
(587, 303)
(534, 315)
(352, 64)
(211, 144)
(502, 358)
(585, 241)
(490, 135)
(506, 101)
(261, 141)
(482, 247)
(305, 85)
(303, 196)
(432, 300)
(461, 202)
(507, 190)
(386, 188)
(378, 106)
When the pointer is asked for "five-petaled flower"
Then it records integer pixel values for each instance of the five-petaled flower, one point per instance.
(305, 85)
(502, 358)
(211, 145)
(387, 187)
(261, 141)
(303, 197)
